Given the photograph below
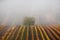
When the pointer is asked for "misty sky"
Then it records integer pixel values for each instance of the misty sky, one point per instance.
(44, 11)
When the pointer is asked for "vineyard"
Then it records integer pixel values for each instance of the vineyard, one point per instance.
(36, 32)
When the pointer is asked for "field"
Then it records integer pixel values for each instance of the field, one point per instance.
(36, 32)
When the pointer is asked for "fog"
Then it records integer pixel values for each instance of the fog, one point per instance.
(45, 11)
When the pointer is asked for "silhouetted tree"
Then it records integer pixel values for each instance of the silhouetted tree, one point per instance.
(29, 21)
